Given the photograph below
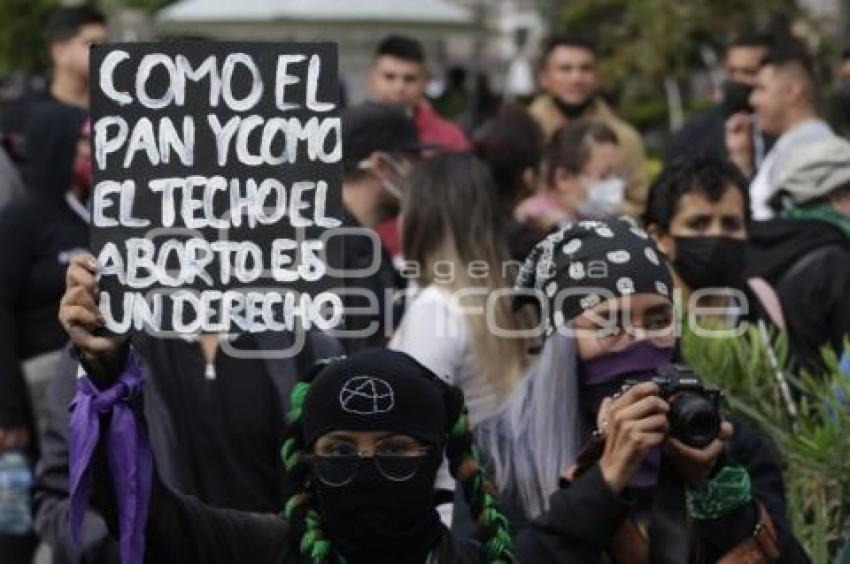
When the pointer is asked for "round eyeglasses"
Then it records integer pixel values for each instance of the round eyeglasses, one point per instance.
(339, 470)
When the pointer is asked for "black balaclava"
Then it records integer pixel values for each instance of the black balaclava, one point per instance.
(51, 148)
(373, 519)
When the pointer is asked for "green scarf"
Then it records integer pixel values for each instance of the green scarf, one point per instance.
(820, 212)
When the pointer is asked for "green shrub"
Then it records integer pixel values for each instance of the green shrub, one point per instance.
(814, 445)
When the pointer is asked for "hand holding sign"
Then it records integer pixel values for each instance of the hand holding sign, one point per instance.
(217, 178)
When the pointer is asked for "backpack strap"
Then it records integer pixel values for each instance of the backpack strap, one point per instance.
(759, 548)
(769, 300)
(806, 261)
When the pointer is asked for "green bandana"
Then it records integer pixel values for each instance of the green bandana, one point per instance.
(820, 212)
(712, 499)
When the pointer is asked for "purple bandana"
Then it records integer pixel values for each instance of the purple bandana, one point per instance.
(604, 376)
(633, 362)
(128, 453)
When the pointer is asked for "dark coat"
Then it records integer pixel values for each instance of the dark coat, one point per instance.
(181, 528)
(38, 234)
(808, 264)
(585, 514)
(51, 503)
(705, 134)
(377, 289)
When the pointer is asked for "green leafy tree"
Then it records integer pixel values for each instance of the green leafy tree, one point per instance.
(149, 6)
(646, 44)
(660, 37)
(22, 45)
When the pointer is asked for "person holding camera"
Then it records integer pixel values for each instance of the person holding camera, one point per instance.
(608, 447)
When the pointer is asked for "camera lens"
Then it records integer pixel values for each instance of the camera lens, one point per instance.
(693, 420)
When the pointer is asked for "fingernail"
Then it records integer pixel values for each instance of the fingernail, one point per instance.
(92, 263)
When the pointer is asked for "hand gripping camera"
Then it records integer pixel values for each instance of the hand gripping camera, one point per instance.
(694, 407)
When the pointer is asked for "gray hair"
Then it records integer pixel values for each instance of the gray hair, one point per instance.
(537, 433)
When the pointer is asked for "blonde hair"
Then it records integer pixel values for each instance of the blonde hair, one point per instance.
(450, 216)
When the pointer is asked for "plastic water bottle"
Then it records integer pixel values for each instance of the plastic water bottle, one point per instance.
(15, 483)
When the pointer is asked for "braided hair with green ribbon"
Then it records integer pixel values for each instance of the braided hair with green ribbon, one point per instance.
(325, 389)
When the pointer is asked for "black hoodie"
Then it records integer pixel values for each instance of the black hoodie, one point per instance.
(808, 263)
(38, 234)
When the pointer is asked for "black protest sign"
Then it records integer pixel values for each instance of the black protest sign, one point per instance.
(217, 183)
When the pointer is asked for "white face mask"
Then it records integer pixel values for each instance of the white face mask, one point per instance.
(604, 198)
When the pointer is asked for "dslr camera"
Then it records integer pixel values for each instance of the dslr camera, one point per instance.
(694, 415)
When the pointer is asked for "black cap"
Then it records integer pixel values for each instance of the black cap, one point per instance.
(373, 126)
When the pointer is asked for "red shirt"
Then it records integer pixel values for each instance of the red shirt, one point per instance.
(433, 129)
(389, 234)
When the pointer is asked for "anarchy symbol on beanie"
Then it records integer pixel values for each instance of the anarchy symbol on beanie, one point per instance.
(366, 395)
(377, 390)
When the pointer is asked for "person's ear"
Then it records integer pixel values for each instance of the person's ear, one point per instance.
(841, 202)
(57, 52)
(386, 172)
(378, 164)
(543, 77)
(598, 81)
(663, 240)
(792, 90)
(372, 79)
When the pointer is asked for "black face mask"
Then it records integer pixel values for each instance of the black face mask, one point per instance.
(736, 98)
(710, 262)
(373, 518)
(573, 111)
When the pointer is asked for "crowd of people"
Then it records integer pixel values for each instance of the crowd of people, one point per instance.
(506, 384)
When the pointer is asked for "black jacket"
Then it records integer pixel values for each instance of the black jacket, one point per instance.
(183, 529)
(705, 134)
(172, 413)
(808, 264)
(373, 285)
(581, 523)
(38, 234)
(585, 515)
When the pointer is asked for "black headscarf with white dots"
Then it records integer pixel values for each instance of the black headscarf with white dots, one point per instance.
(588, 262)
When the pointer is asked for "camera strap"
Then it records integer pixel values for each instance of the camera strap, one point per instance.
(762, 547)
(669, 538)
(669, 531)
